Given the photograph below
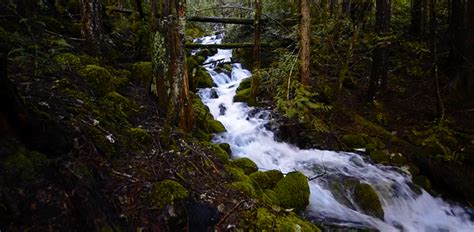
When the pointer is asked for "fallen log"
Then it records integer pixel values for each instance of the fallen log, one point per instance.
(228, 45)
(207, 19)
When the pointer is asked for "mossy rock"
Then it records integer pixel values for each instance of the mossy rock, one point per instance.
(267, 221)
(140, 135)
(141, 71)
(244, 187)
(167, 192)
(261, 179)
(362, 141)
(368, 201)
(24, 164)
(423, 182)
(225, 147)
(380, 156)
(203, 78)
(293, 191)
(274, 176)
(205, 123)
(270, 197)
(244, 96)
(67, 61)
(398, 159)
(99, 78)
(236, 174)
(245, 84)
(89, 60)
(101, 142)
(218, 151)
(246, 164)
(119, 106)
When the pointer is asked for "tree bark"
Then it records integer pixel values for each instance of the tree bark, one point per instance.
(468, 75)
(139, 7)
(416, 18)
(256, 49)
(378, 76)
(434, 60)
(170, 77)
(305, 38)
(91, 23)
(456, 31)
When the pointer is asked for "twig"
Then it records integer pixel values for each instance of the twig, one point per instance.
(229, 213)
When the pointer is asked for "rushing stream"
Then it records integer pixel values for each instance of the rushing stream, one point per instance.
(404, 209)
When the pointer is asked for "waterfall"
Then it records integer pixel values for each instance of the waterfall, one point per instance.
(404, 210)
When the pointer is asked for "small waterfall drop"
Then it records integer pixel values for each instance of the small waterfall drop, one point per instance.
(404, 209)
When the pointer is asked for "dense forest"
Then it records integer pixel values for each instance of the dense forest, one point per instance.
(236, 115)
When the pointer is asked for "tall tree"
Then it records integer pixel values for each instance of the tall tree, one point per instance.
(305, 38)
(256, 49)
(91, 22)
(416, 26)
(378, 76)
(170, 78)
(456, 32)
(468, 75)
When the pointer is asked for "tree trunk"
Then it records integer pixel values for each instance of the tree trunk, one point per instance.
(170, 77)
(434, 59)
(256, 49)
(139, 7)
(456, 31)
(91, 23)
(305, 38)
(416, 17)
(468, 75)
(378, 76)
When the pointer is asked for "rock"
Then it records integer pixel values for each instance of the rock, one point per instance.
(167, 192)
(268, 221)
(246, 164)
(214, 94)
(244, 186)
(273, 176)
(98, 78)
(423, 182)
(354, 140)
(368, 201)
(261, 179)
(201, 217)
(380, 156)
(293, 191)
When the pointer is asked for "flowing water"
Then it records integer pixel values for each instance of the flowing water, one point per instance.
(247, 135)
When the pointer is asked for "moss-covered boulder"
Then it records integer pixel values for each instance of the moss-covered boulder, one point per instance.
(236, 174)
(203, 79)
(273, 177)
(380, 156)
(261, 179)
(205, 123)
(293, 191)
(23, 164)
(246, 164)
(354, 140)
(141, 71)
(67, 61)
(423, 182)
(140, 135)
(117, 106)
(167, 192)
(268, 221)
(244, 186)
(368, 201)
(99, 78)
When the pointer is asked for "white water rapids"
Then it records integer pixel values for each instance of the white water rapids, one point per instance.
(404, 209)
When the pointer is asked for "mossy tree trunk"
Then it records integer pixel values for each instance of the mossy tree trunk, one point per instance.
(91, 23)
(305, 38)
(256, 49)
(378, 76)
(170, 78)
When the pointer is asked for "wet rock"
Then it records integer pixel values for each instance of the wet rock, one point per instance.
(246, 164)
(368, 201)
(423, 182)
(214, 94)
(222, 109)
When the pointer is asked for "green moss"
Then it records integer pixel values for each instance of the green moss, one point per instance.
(423, 182)
(205, 123)
(244, 96)
(243, 186)
(398, 159)
(354, 140)
(141, 71)
(293, 191)
(245, 84)
(203, 79)
(267, 221)
(140, 135)
(118, 106)
(98, 78)
(89, 60)
(368, 200)
(167, 192)
(273, 176)
(225, 147)
(380, 156)
(236, 174)
(261, 179)
(67, 61)
(24, 164)
(99, 138)
(246, 164)
(270, 197)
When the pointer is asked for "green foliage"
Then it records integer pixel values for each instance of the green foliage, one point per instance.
(293, 191)
(439, 141)
(67, 61)
(99, 78)
(142, 71)
(24, 164)
(167, 192)
(140, 134)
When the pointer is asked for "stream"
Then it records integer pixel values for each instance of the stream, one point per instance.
(405, 210)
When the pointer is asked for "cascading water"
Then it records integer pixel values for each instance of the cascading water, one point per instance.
(404, 209)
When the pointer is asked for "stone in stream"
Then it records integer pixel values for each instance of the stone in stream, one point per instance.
(222, 109)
